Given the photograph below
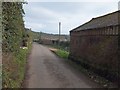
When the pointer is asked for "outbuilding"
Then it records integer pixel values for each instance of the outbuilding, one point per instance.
(94, 45)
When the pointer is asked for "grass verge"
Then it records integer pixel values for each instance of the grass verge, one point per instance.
(62, 53)
(58, 51)
(13, 70)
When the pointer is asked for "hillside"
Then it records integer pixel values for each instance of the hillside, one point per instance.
(42, 35)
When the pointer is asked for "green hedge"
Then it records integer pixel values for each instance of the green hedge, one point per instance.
(13, 34)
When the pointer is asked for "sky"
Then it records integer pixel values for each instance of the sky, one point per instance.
(45, 16)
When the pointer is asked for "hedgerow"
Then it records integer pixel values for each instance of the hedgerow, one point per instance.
(13, 35)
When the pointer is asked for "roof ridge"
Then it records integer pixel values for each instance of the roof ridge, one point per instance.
(94, 19)
(106, 14)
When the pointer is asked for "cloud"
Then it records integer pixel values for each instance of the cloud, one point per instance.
(46, 16)
(72, 0)
(36, 26)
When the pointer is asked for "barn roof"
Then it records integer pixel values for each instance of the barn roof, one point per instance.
(110, 19)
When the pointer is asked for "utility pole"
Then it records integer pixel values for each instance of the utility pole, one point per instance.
(59, 31)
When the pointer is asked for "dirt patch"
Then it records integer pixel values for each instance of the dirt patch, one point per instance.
(53, 49)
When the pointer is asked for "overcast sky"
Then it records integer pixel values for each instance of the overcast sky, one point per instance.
(45, 16)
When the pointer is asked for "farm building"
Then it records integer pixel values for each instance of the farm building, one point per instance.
(50, 39)
(94, 45)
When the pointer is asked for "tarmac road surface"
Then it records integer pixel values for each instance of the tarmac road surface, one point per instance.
(46, 70)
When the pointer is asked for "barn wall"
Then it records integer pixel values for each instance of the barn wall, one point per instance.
(96, 49)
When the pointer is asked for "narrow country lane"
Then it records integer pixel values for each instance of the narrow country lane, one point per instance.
(46, 70)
